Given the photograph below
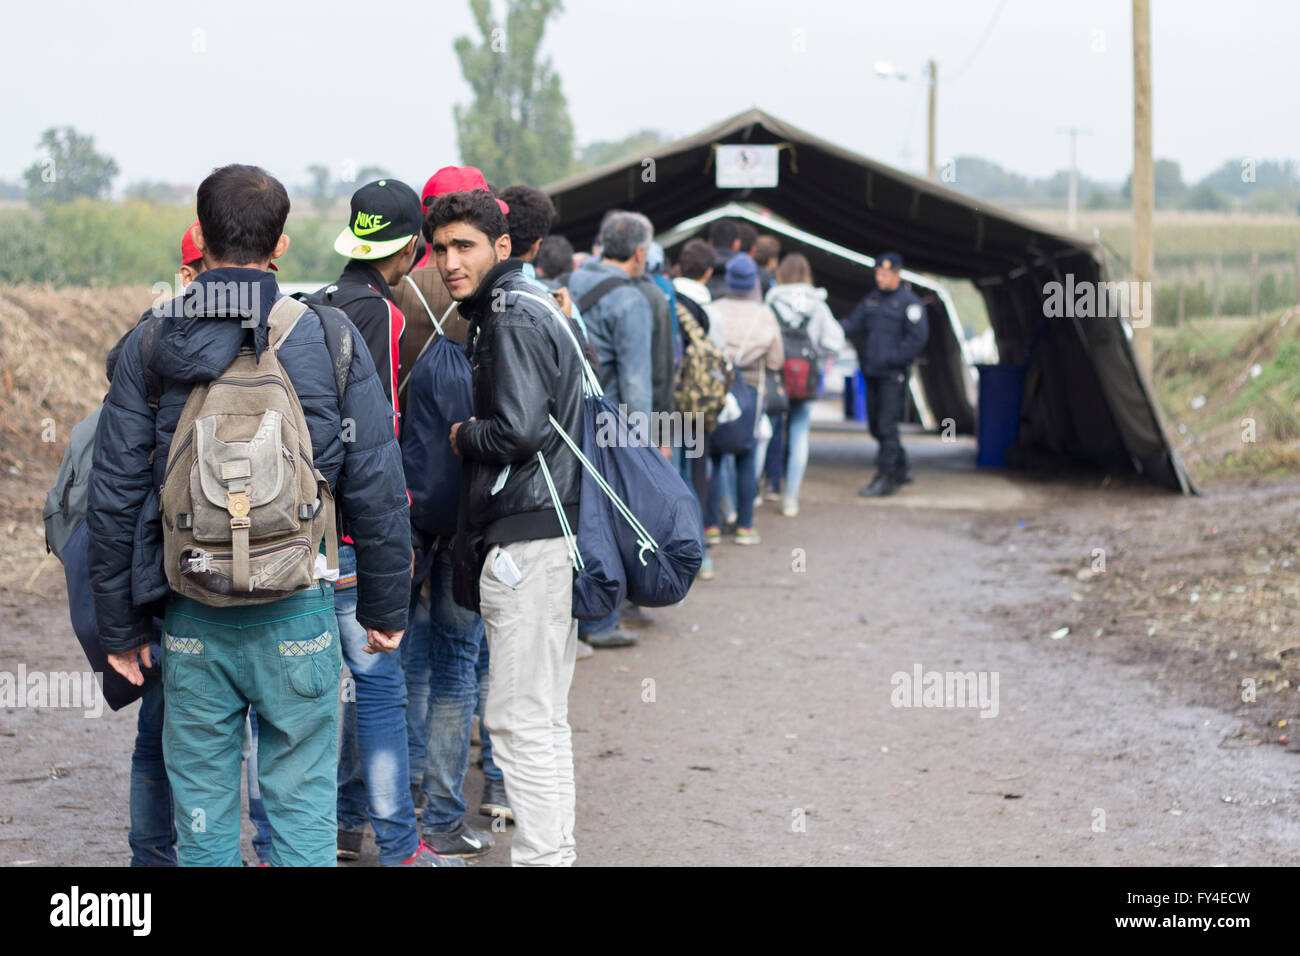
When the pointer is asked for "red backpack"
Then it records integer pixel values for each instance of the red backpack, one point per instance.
(801, 372)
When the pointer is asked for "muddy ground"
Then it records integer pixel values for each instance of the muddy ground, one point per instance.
(756, 723)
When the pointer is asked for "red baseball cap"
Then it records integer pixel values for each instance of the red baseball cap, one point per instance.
(190, 252)
(456, 179)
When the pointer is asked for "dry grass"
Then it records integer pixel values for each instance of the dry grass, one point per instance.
(52, 348)
(1215, 375)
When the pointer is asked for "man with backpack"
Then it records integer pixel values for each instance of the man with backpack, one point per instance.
(374, 774)
(152, 836)
(450, 652)
(620, 322)
(513, 562)
(219, 453)
(702, 379)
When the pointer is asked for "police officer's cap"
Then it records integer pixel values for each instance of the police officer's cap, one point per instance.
(889, 260)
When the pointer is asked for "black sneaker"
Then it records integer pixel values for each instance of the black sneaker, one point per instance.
(880, 486)
(494, 802)
(615, 637)
(460, 842)
(349, 845)
(907, 477)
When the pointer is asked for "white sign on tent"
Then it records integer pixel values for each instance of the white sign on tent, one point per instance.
(747, 167)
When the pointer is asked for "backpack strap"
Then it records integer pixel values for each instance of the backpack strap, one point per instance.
(338, 339)
(591, 382)
(340, 296)
(801, 326)
(600, 290)
(696, 311)
(437, 330)
(282, 319)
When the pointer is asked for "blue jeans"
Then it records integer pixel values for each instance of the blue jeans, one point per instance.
(256, 806)
(374, 773)
(727, 489)
(773, 466)
(153, 816)
(490, 770)
(603, 626)
(445, 655)
(746, 489)
(800, 429)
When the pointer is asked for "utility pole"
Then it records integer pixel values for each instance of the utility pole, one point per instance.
(1144, 260)
(932, 69)
(1072, 207)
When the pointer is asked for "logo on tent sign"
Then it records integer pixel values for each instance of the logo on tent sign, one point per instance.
(747, 167)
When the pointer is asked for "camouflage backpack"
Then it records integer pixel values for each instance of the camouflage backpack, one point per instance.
(244, 508)
(705, 375)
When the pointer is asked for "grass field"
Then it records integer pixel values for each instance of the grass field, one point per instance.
(1231, 390)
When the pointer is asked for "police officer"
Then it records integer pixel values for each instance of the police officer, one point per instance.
(891, 329)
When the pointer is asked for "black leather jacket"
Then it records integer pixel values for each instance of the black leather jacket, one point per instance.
(525, 368)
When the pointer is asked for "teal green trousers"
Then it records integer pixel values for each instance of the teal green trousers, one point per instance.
(284, 659)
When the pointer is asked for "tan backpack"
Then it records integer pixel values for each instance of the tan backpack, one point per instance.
(244, 508)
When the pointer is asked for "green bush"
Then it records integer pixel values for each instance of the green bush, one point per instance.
(95, 242)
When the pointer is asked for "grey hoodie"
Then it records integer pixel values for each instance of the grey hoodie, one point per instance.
(794, 301)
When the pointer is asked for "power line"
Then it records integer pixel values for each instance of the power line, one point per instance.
(988, 31)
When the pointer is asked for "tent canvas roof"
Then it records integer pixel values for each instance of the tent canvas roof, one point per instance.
(1087, 401)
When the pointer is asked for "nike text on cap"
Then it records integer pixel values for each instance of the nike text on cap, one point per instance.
(384, 216)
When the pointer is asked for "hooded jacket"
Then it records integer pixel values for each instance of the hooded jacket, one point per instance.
(125, 553)
(800, 302)
(526, 368)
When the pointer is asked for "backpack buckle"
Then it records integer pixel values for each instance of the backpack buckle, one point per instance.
(238, 506)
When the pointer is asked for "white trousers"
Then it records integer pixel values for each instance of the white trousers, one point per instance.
(532, 643)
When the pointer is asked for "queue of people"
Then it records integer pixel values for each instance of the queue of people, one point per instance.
(197, 555)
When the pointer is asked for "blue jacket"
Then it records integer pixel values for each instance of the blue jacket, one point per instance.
(890, 329)
(619, 326)
(125, 554)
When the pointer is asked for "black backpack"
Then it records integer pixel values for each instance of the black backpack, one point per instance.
(801, 374)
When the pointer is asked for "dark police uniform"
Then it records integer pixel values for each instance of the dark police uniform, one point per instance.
(889, 329)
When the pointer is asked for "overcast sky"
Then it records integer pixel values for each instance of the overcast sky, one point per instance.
(172, 88)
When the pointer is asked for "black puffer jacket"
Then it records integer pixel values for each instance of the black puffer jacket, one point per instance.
(132, 443)
(526, 367)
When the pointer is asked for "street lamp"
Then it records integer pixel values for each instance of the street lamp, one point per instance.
(885, 70)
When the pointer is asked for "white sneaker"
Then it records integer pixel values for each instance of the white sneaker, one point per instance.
(789, 507)
(584, 650)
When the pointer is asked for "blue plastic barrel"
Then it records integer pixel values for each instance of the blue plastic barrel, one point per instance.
(1001, 390)
(855, 397)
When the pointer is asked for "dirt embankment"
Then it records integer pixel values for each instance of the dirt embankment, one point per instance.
(1231, 393)
(52, 348)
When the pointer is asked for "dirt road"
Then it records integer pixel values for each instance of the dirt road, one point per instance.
(757, 722)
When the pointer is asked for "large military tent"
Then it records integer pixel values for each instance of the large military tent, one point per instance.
(1087, 401)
